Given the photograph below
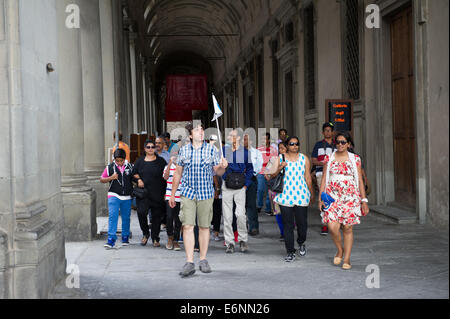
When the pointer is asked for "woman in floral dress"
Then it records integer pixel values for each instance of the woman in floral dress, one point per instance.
(342, 180)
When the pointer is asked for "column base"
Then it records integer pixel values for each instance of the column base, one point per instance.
(80, 223)
(101, 191)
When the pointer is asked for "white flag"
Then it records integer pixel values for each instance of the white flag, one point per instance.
(217, 111)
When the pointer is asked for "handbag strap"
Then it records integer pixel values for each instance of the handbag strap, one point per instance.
(284, 160)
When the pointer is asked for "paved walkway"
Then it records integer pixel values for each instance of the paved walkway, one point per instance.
(412, 259)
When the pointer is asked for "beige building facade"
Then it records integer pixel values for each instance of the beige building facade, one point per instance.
(68, 66)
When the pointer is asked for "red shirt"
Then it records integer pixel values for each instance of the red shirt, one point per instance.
(267, 154)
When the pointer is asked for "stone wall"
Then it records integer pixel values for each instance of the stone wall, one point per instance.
(31, 220)
(438, 109)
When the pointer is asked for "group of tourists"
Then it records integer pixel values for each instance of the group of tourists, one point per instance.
(194, 188)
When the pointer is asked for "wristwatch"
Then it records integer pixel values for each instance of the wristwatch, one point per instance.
(364, 200)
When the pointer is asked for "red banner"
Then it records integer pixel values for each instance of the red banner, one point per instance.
(178, 115)
(186, 92)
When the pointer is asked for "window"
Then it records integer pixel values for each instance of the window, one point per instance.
(260, 68)
(351, 50)
(276, 106)
(310, 76)
(289, 93)
(289, 32)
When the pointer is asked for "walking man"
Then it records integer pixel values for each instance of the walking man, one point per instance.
(160, 141)
(250, 201)
(323, 148)
(236, 180)
(194, 167)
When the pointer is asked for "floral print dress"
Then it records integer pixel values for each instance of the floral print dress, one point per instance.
(346, 209)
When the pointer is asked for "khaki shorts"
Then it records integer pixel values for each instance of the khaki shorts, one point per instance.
(202, 209)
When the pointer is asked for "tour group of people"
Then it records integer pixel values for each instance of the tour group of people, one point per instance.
(188, 190)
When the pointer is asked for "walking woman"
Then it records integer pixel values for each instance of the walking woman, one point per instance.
(296, 196)
(148, 171)
(343, 181)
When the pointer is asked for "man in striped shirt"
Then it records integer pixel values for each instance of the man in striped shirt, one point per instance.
(194, 167)
(173, 220)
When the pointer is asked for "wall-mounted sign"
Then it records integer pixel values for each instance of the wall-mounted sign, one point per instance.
(340, 113)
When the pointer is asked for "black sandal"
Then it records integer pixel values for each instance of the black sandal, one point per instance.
(144, 241)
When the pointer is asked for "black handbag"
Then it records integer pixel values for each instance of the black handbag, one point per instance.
(140, 193)
(235, 180)
(276, 184)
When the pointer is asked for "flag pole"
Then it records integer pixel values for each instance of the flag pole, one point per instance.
(217, 113)
(220, 138)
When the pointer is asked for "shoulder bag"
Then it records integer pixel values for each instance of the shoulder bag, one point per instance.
(276, 184)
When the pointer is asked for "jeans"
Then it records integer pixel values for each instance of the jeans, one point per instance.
(250, 206)
(124, 206)
(173, 221)
(280, 224)
(300, 215)
(262, 191)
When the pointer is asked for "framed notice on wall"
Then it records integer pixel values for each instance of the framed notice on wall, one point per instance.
(340, 113)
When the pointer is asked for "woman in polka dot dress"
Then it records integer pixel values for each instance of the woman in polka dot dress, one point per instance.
(296, 197)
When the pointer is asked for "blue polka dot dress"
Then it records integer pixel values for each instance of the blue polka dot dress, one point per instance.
(295, 189)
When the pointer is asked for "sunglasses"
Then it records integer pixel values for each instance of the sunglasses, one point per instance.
(294, 144)
(341, 142)
(150, 147)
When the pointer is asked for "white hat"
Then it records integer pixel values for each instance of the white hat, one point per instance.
(213, 137)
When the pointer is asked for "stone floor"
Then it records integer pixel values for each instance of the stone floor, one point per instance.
(412, 261)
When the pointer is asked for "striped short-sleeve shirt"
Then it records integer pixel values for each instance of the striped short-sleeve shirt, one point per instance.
(197, 179)
(171, 169)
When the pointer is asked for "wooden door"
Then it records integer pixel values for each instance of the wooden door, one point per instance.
(404, 130)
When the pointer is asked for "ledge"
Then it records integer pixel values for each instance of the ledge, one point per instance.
(394, 214)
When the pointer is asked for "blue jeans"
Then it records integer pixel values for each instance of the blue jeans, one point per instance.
(262, 191)
(124, 206)
(280, 224)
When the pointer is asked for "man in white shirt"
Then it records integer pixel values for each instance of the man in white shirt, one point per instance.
(250, 203)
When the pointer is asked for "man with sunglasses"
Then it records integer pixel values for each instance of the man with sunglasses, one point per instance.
(323, 148)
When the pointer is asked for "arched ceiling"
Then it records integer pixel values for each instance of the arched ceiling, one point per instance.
(212, 29)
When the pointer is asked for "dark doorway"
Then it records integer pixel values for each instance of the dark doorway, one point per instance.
(403, 108)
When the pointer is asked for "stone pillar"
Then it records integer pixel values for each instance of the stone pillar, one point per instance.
(79, 200)
(108, 70)
(127, 107)
(268, 84)
(134, 106)
(32, 255)
(94, 142)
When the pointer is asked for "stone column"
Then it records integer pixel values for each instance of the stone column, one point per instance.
(79, 200)
(127, 106)
(94, 142)
(134, 106)
(268, 84)
(108, 69)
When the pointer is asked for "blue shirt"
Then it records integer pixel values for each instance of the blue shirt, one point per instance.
(166, 155)
(197, 179)
(238, 162)
(256, 159)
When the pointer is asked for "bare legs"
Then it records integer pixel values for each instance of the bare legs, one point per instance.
(189, 242)
(203, 240)
(347, 230)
